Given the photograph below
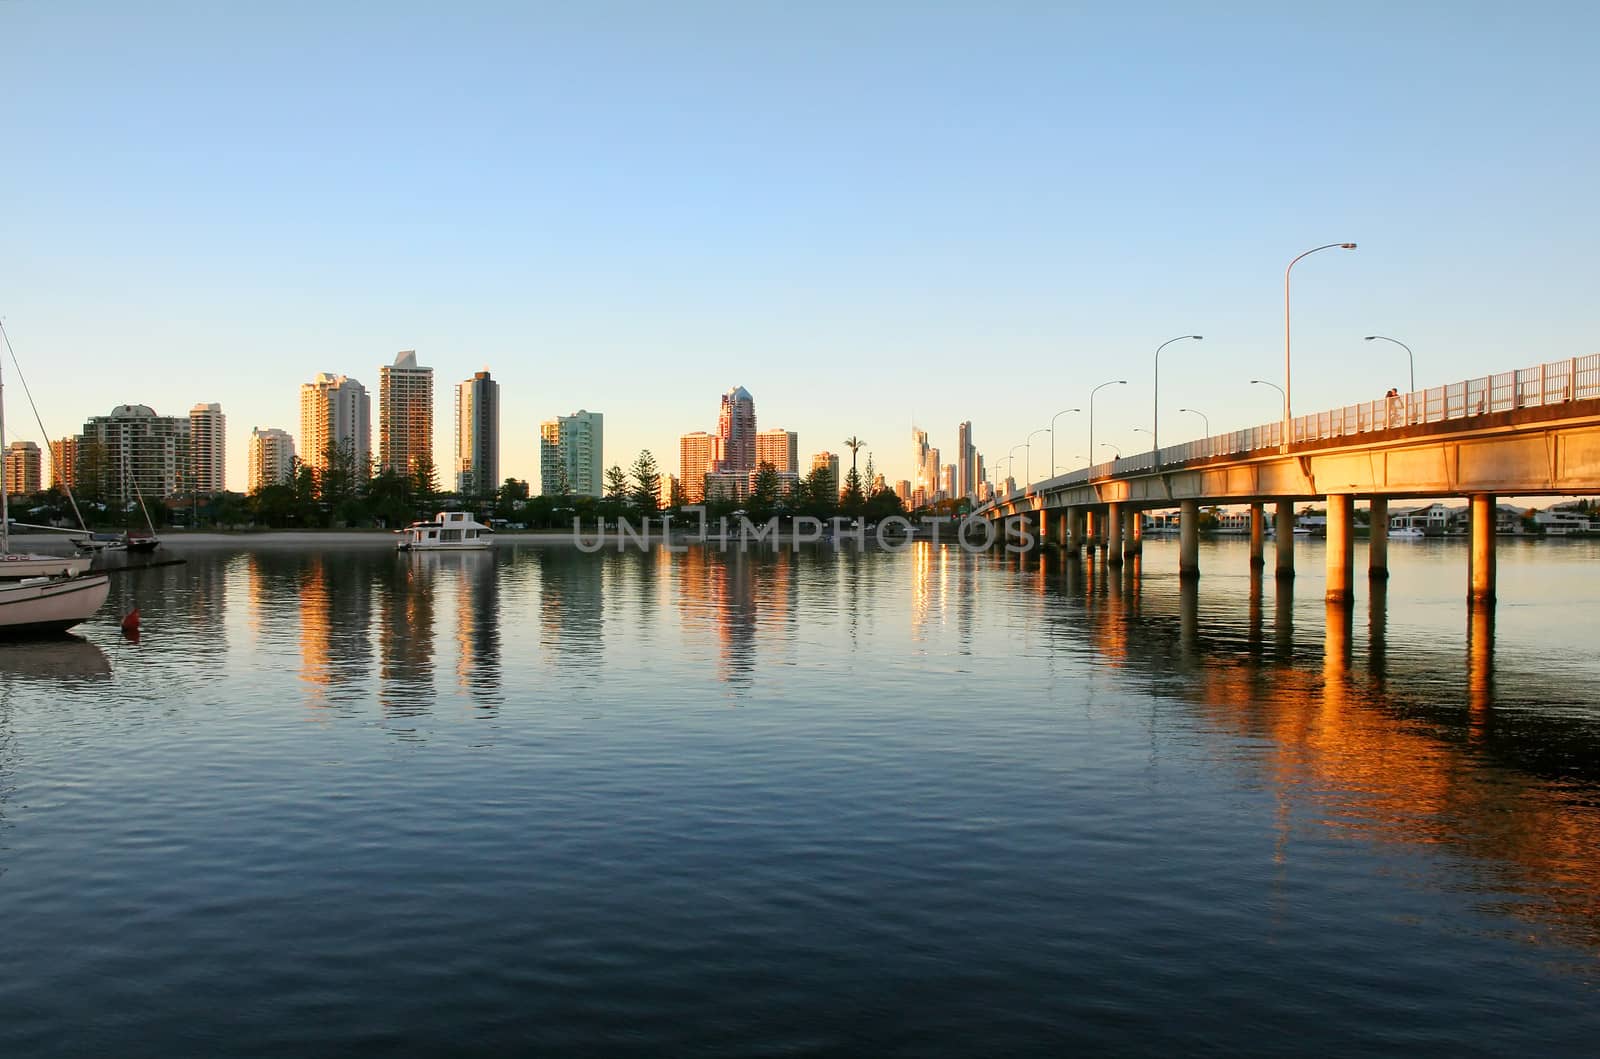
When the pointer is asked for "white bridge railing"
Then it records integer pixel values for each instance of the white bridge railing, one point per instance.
(1558, 382)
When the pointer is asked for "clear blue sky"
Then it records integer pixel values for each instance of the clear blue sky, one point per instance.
(864, 213)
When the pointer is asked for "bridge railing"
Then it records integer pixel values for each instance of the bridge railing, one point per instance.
(1557, 382)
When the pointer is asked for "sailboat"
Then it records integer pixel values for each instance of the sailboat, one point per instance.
(45, 594)
(134, 540)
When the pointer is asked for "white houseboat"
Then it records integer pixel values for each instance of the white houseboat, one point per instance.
(450, 531)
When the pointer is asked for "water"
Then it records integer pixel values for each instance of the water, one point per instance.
(342, 802)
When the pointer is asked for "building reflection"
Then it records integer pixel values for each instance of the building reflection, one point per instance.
(572, 607)
(332, 600)
(406, 632)
(477, 597)
(739, 595)
(1409, 749)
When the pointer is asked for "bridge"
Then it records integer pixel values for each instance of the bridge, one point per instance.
(1533, 432)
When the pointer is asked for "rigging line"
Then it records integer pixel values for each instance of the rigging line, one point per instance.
(55, 470)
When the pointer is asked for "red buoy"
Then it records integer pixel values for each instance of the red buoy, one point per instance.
(130, 623)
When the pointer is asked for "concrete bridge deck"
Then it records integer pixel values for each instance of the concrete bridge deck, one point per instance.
(1522, 433)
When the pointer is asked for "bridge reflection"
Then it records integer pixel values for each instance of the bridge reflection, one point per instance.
(1419, 746)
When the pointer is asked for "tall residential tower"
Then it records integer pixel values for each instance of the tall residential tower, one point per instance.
(405, 414)
(334, 410)
(478, 436)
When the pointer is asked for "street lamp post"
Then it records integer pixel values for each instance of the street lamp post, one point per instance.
(1116, 453)
(1027, 457)
(1011, 461)
(1287, 387)
(1203, 418)
(1410, 358)
(1155, 408)
(1053, 419)
(1275, 386)
(1097, 389)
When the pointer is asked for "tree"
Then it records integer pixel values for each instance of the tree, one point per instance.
(616, 484)
(853, 500)
(853, 443)
(646, 483)
(764, 496)
(425, 481)
(821, 496)
(391, 498)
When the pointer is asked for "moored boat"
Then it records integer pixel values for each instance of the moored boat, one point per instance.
(17, 565)
(449, 531)
(44, 605)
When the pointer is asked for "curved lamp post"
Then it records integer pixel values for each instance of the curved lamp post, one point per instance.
(1410, 358)
(1275, 386)
(1203, 418)
(1097, 389)
(1010, 461)
(1053, 419)
(1027, 457)
(1287, 388)
(1115, 452)
(1155, 408)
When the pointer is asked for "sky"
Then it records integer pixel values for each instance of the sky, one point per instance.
(869, 215)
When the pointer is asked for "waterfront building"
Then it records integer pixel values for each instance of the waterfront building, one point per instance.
(572, 450)
(405, 415)
(736, 426)
(63, 463)
(830, 462)
(919, 460)
(902, 489)
(668, 492)
(728, 485)
(136, 453)
(478, 436)
(334, 410)
(23, 470)
(271, 458)
(947, 482)
(208, 449)
(931, 476)
(966, 462)
(699, 454)
(781, 448)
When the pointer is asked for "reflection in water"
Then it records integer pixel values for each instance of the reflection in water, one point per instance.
(65, 659)
(1347, 747)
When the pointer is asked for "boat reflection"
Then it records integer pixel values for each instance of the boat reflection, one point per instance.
(61, 658)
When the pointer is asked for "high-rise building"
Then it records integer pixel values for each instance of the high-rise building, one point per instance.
(830, 462)
(64, 463)
(699, 454)
(208, 449)
(966, 462)
(781, 448)
(902, 489)
(668, 494)
(405, 414)
(334, 410)
(22, 467)
(572, 452)
(478, 436)
(271, 458)
(919, 460)
(135, 453)
(931, 476)
(736, 426)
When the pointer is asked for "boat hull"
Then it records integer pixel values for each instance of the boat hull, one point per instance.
(446, 546)
(13, 567)
(37, 608)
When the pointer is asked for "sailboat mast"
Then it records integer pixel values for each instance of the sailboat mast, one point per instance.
(5, 488)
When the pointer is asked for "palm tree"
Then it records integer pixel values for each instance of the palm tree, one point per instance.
(853, 443)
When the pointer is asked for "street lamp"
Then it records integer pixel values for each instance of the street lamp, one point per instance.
(1409, 357)
(1275, 386)
(1203, 418)
(1027, 457)
(1115, 452)
(1287, 388)
(1053, 419)
(1155, 408)
(1010, 461)
(1097, 389)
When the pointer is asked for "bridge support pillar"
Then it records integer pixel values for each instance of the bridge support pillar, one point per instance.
(1044, 527)
(1075, 531)
(1341, 548)
(1480, 572)
(1283, 538)
(1258, 533)
(1113, 534)
(1189, 538)
(1378, 538)
(1133, 532)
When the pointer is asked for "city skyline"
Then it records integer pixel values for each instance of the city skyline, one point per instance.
(861, 249)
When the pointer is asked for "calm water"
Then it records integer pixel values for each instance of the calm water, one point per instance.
(719, 804)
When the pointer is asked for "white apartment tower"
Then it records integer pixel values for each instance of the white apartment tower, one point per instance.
(405, 414)
(208, 429)
(334, 410)
(271, 458)
(478, 436)
(572, 447)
